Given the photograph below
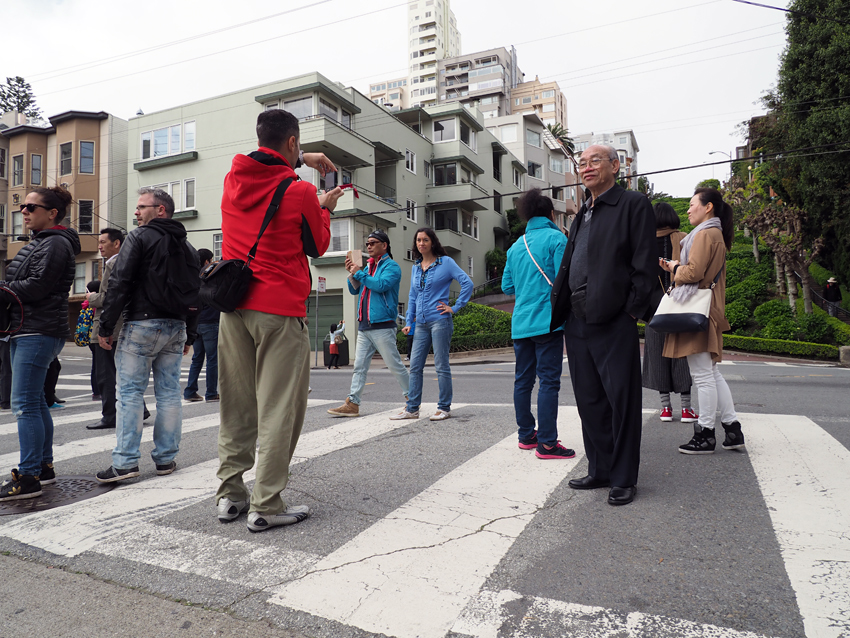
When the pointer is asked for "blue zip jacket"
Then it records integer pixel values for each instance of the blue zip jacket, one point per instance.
(381, 288)
(422, 302)
(533, 307)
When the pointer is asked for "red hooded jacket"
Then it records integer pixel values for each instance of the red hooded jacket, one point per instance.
(281, 282)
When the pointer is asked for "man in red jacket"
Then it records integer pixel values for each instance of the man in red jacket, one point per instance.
(264, 349)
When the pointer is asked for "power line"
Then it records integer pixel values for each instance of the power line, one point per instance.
(793, 11)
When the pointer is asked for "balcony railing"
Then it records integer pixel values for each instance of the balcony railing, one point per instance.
(385, 192)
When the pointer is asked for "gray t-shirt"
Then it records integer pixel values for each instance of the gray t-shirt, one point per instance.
(578, 262)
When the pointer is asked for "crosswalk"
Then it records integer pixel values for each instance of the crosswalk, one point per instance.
(433, 563)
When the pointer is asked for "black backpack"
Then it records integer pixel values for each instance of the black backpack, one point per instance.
(173, 279)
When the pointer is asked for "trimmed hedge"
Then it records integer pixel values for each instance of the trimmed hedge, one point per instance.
(821, 274)
(737, 314)
(772, 309)
(780, 346)
(466, 343)
(840, 330)
(476, 327)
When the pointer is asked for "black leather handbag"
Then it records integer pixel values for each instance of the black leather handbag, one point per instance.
(225, 283)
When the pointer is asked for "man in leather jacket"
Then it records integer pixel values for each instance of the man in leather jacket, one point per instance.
(151, 337)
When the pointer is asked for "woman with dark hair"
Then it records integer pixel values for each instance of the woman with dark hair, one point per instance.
(660, 373)
(37, 284)
(428, 307)
(703, 259)
(333, 348)
(531, 267)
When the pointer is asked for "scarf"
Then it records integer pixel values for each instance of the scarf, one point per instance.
(683, 292)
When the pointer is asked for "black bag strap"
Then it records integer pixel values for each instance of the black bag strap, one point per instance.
(720, 272)
(273, 206)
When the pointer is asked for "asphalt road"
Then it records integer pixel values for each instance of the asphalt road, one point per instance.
(448, 530)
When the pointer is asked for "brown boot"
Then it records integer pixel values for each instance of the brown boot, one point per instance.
(349, 409)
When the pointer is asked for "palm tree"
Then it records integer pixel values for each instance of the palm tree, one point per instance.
(563, 136)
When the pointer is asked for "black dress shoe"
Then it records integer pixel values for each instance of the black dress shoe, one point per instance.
(621, 495)
(588, 483)
(100, 425)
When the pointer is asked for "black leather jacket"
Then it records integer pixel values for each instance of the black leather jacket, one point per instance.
(41, 275)
(126, 289)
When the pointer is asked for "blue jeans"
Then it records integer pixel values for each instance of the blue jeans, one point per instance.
(31, 355)
(205, 345)
(539, 357)
(368, 342)
(142, 345)
(438, 333)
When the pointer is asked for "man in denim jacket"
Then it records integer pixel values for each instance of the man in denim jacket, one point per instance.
(377, 307)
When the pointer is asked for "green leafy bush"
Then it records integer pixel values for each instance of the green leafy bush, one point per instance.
(816, 328)
(820, 274)
(748, 291)
(770, 310)
(840, 330)
(737, 314)
(781, 328)
(737, 270)
(476, 319)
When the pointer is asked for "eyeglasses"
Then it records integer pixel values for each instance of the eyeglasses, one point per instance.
(141, 206)
(31, 207)
(593, 161)
(373, 243)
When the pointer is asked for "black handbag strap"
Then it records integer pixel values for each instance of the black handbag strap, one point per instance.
(720, 272)
(273, 206)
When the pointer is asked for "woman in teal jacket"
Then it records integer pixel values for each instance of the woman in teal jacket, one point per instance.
(530, 270)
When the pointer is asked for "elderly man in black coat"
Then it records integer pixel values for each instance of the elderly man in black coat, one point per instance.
(602, 288)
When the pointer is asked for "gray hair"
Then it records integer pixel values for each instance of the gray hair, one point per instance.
(612, 152)
(160, 198)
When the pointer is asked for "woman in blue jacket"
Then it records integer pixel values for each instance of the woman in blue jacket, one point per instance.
(529, 272)
(428, 309)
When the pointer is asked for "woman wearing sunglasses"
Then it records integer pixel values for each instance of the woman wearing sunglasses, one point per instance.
(36, 291)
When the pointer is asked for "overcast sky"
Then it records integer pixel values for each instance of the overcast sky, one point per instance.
(680, 73)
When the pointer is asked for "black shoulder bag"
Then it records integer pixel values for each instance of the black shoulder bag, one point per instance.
(225, 283)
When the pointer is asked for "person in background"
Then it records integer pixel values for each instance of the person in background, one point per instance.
(660, 373)
(832, 295)
(333, 348)
(429, 310)
(93, 286)
(50, 381)
(40, 277)
(702, 261)
(206, 345)
(529, 272)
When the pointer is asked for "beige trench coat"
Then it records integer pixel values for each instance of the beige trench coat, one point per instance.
(707, 257)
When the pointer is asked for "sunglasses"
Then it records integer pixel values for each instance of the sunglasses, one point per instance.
(31, 207)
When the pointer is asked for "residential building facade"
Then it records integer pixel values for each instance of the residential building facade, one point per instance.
(627, 149)
(543, 98)
(417, 167)
(433, 35)
(482, 80)
(393, 94)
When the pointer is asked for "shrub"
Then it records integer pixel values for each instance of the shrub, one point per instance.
(816, 328)
(781, 328)
(737, 270)
(748, 291)
(777, 346)
(820, 274)
(476, 319)
(840, 330)
(737, 314)
(772, 309)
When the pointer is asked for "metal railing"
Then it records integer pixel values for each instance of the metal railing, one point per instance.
(490, 287)
(822, 303)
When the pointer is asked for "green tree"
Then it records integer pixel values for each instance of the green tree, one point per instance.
(648, 189)
(709, 183)
(495, 260)
(563, 136)
(16, 95)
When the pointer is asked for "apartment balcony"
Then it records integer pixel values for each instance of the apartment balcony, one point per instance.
(451, 240)
(368, 202)
(468, 196)
(343, 146)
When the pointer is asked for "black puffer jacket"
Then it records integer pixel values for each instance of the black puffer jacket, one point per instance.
(126, 289)
(41, 275)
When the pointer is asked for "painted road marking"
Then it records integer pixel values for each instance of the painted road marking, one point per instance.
(411, 574)
(807, 498)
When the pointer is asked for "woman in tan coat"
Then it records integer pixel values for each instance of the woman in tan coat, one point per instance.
(703, 256)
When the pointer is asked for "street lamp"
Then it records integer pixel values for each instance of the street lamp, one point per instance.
(729, 155)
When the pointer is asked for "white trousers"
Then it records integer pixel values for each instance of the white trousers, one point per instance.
(712, 391)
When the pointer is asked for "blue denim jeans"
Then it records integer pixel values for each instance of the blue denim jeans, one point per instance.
(540, 357)
(144, 345)
(368, 342)
(31, 355)
(206, 345)
(439, 334)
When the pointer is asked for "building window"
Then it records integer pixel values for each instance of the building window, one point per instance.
(95, 270)
(556, 165)
(3, 163)
(558, 193)
(189, 193)
(411, 210)
(85, 220)
(469, 268)
(189, 136)
(327, 109)
(470, 225)
(508, 133)
(445, 174)
(410, 160)
(346, 119)
(532, 138)
(427, 170)
(409, 256)
(300, 108)
(444, 130)
(17, 170)
(623, 140)
(339, 235)
(526, 100)
(548, 94)
(445, 219)
(65, 165)
(158, 143)
(548, 108)
(272, 105)
(346, 176)
(87, 155)
(217, 246)
(79, 278)
(35, 170)
(467, 135)
(2, 218)
(497, 202)
(517, 178)
(17, 223)
(535, 170)
(497, 167)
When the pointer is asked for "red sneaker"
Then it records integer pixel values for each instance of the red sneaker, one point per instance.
(666, 414)
(689, 416)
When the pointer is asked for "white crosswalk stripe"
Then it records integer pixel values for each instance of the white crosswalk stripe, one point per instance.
(422, 569)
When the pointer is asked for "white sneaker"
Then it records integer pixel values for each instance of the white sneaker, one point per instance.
(404, 414)
(440, 415)
(229, 511)
(260, 522)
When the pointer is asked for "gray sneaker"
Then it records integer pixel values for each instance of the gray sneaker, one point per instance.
(404, 414)
(229, 511)
(294, 514)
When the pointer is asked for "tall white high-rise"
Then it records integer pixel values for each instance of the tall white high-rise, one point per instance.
(433, 32)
